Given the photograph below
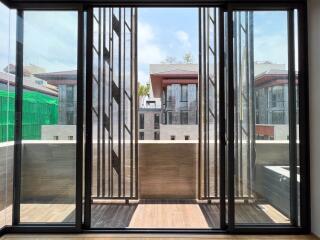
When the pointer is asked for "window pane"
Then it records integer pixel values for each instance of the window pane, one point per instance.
(261, 127)
(184, 93)
(156, 135)
(157, 121)
(141, 121)
(184, 117)
(49, 117)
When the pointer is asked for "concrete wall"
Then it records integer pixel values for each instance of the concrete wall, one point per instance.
(273, 187)
(272, 152)
(48, 171)
(48, 168)
(168, 170)
(6, 170)
(314, 98)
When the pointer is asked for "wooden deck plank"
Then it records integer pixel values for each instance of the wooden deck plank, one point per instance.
(168, 216)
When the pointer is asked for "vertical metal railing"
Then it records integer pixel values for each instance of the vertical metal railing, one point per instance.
(209, 177)
(114, 81)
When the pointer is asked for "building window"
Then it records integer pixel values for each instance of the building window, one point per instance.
(277, 96)
(156, 135)
(55, 138)
(70, 137)
(169, 117)
(69, 116)
(141, 121)
(186, 137)
(184, 117)
(184, 93)
(156, 121)
(278, 117)
(141, 135)
(172, 137)
(169, 94)
(69, 95)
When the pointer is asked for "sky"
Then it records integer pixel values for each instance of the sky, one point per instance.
(51, 37)
(165, 32)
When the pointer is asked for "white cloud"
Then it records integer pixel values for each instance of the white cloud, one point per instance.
(148, 50)
(183, 38)
(145, 33)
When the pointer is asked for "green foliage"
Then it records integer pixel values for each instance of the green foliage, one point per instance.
(188, 58)
(143, 90)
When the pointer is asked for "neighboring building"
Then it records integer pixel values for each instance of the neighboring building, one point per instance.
(38, 96)
(66, 82)
(261, 67)
(172, 102)
(28, 70)
(61, 85)
(173, 94)
(30, 84)
(271, 96)
(149, 123)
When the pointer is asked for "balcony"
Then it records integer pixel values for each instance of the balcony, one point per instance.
(168, 187)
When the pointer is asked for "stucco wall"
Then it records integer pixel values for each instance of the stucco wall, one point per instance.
(314, 98)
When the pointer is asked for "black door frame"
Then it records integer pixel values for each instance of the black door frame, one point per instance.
(84, 8)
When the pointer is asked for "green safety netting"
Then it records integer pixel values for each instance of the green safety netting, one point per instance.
(37, 109)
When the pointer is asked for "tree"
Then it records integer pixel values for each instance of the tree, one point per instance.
(188, 58)
(143, 91)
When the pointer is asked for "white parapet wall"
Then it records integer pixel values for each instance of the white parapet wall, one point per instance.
(58, 132)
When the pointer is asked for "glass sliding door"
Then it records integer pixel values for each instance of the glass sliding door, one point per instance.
(47, 159)
(265, 110)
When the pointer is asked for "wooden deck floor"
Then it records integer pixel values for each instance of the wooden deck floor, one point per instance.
(149, 214)
(177, 214)
(153, 237)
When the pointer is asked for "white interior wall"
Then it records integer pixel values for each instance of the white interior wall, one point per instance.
(314, 97)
